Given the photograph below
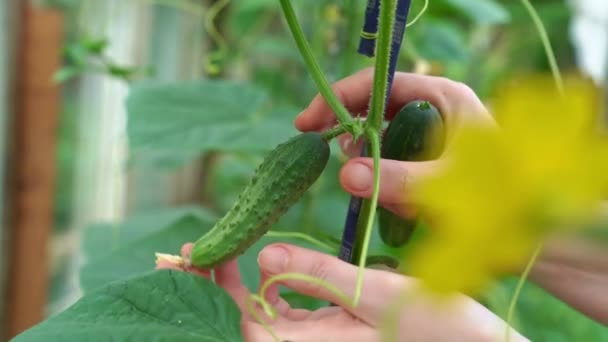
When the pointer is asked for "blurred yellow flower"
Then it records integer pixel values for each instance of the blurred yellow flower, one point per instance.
(502, 190)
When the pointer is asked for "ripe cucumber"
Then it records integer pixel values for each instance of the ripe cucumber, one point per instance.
(279, 182)
(416, 133)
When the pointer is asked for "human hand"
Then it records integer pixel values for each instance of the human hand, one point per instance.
(462, 319)
(458, 104)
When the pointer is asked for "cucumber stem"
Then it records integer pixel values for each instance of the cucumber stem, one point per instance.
(314, 69)
(381, 69)
(374, 141)
(518, 288)
(544, 37)
(333, 132)
(253, 298)
(309, 279)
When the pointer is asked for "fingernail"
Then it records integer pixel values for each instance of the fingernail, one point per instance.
(359, 177)
(273, 259)
(301, 113)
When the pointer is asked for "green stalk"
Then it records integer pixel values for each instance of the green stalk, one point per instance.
(369, 214)
(374, 121)
(361, 229)
(518, 288)
(351, 125)
(544, 37)
(333, 132)
(383, 55)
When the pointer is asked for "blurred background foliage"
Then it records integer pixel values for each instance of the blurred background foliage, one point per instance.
(242, 101)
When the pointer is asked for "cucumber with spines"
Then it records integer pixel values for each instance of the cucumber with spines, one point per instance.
(278, 183)
(416, 133)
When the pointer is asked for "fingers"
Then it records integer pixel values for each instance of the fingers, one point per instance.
(357, 177)
(228, 276)
(460, 318)
(272, 293)
(379, 288)
(456, 101)
(311, 331)
(272, 297)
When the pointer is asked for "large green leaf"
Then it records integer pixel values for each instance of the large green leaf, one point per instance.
(482, 12)
(187, 119)
(157, 306)
(101, 239)
(119, 253)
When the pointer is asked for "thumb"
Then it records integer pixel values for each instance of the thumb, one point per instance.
(357, 178)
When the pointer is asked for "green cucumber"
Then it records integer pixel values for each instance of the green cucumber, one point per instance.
(416, 133)
(277, 184)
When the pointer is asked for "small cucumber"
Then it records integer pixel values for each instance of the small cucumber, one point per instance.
(416, 133)
(279, 182)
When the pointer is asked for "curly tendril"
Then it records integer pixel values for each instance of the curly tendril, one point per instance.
(212, 64)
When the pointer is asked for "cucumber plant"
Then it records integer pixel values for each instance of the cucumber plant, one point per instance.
(255, 210)
(289, 170)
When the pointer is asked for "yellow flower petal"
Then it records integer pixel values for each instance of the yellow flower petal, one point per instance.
(503, 190)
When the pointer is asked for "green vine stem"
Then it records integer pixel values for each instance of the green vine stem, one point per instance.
(373, 137)
(372, 131)
(544, 37)
(350, 124)
(518, 288)
(334, 132)
(253, 298)
(361, 227)
(309, 279)
(269, 310)
(376, 114)
(383, 55)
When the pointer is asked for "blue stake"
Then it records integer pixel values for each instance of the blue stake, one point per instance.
(367, 43)
(367, 46)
